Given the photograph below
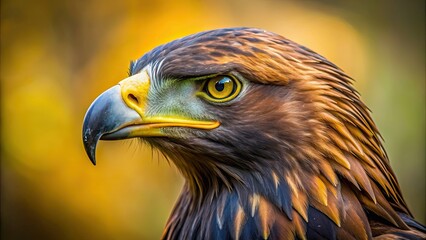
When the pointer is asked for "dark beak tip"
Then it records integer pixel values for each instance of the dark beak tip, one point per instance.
(90, 147)
(92, 154)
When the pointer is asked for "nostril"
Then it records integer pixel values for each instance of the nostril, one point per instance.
(133, 98)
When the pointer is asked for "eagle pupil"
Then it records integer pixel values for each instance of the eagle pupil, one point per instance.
(220, 85)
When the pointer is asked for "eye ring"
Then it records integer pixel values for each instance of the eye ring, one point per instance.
(219, 89)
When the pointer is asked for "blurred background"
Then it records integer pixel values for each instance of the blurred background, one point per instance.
(57, 56)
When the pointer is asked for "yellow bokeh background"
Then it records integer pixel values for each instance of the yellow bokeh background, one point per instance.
(57, 56)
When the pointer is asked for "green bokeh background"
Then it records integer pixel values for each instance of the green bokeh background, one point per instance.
(57, 56)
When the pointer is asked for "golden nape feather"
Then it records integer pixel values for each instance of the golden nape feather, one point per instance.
(272, 139)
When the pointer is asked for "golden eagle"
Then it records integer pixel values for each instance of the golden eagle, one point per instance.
(272, 140)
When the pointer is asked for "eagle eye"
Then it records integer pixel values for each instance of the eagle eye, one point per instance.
(220, 89)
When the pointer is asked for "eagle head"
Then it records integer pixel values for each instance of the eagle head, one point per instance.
(272, 138)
